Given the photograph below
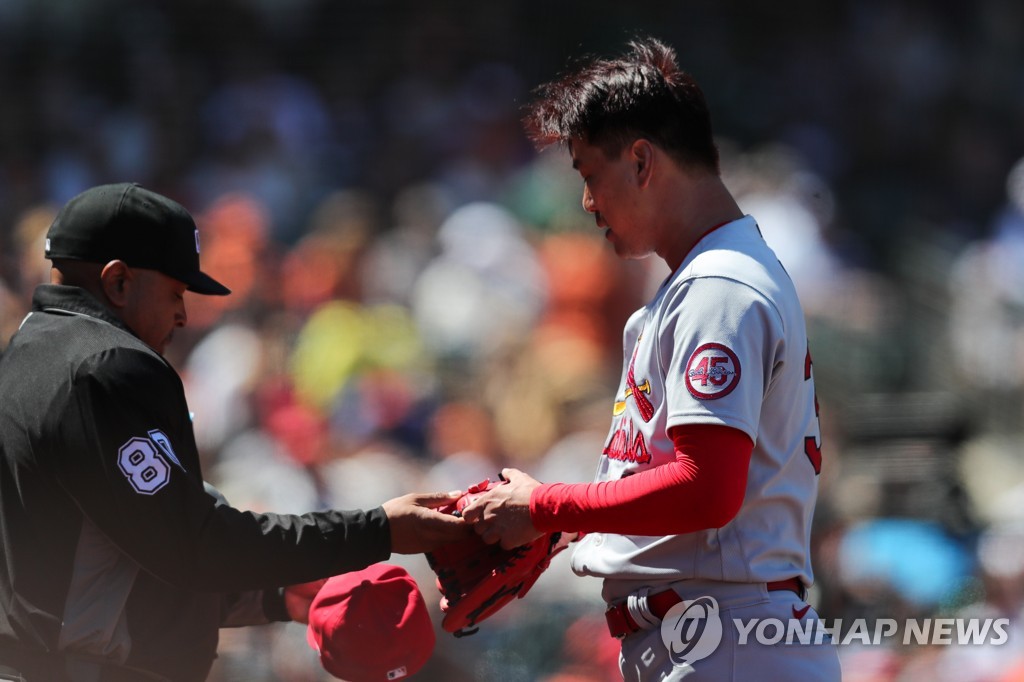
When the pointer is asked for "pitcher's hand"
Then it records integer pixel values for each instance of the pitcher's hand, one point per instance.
(502, 514)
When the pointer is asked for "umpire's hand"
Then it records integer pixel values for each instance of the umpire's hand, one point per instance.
(417, 526)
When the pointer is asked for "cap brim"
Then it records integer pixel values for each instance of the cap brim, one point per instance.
(201, 283)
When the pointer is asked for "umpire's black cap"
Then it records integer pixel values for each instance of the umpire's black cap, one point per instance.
(130, 223)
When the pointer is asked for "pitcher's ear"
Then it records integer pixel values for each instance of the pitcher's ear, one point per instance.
(642, 153)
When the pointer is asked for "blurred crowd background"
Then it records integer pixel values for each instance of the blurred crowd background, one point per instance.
(419, 299)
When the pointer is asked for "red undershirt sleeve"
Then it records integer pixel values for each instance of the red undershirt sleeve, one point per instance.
(703, 488)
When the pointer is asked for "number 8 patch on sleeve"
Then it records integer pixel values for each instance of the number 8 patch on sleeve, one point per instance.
(143, 465)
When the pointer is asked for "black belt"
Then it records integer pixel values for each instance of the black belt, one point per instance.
(621, 623)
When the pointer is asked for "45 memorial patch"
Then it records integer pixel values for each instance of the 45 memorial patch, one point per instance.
(712, 372)
(143, 461)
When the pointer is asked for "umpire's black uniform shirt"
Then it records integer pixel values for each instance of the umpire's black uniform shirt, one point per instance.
(110, 547)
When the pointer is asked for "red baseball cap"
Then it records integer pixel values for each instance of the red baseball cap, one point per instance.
(371, 625)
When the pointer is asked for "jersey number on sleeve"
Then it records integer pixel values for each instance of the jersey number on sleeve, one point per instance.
(143, 465)
(811, 446)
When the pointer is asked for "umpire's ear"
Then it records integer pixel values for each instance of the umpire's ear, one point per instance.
(114, 280)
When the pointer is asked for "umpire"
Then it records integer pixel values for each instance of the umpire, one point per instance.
(117, 561)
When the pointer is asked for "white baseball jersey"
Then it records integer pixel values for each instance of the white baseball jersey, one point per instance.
(722, 342)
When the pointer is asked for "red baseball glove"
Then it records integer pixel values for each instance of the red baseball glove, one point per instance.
(477, 579)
